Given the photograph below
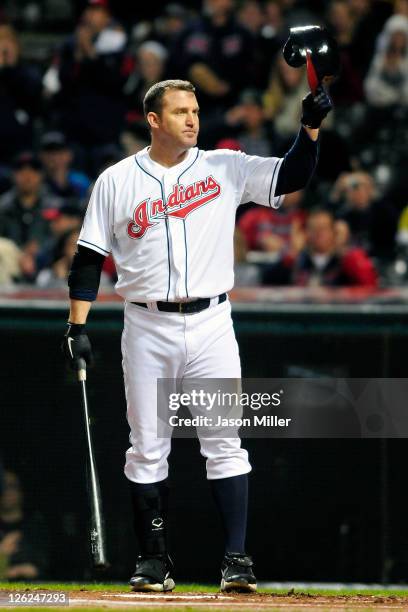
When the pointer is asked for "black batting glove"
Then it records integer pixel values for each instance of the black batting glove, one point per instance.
(316, 108)
(76, 345)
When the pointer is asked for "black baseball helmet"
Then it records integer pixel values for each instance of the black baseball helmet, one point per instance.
(315, 46)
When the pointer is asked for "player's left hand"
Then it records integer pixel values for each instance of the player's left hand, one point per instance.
(316, 108)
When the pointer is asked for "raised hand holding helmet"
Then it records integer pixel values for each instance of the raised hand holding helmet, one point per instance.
(315, 108)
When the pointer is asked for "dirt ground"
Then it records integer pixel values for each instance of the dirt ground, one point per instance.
(232, 602)
(259, 601)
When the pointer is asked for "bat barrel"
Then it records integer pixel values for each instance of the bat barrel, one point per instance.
(97, 528)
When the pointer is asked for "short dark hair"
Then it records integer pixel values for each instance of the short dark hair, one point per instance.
(321, 210)
(153, 100)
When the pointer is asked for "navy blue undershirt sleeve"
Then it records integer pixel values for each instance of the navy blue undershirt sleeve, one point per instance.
(85, 274)
(298, 164)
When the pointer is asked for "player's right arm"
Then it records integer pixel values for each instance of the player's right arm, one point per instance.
(78, 312)
(83, 281)
(94, 244)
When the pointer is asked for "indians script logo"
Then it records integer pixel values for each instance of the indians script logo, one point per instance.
(180, 203)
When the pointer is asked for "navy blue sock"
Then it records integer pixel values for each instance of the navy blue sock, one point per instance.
(231, 497)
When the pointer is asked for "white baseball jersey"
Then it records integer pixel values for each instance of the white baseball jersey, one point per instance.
(170, 230)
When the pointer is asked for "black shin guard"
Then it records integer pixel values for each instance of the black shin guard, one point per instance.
(150, 508)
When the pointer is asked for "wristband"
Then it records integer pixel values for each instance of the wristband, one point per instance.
(75, 329)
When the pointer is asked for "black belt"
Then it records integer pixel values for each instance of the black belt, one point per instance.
(185, 307)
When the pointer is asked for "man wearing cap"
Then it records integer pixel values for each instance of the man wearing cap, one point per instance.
(20, 96)
(22, 209)
(90, 76)
(217, 54)
(56, 157)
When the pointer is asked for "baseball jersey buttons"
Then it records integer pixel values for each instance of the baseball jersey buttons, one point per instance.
(177, 237)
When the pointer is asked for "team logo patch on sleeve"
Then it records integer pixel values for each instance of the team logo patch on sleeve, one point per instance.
(180, 203)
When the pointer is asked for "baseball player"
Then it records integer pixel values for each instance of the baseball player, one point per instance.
(167, 215)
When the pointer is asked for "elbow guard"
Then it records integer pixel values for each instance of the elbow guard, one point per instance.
(85, 274)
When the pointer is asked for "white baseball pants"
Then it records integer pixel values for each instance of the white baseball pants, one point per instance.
(159, 344)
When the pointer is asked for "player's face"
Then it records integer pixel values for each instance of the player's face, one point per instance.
(178, 120)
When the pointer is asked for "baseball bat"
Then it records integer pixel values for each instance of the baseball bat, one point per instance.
(312, 77)
(97, 527)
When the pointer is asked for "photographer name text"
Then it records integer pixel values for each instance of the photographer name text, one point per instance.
(207, 421)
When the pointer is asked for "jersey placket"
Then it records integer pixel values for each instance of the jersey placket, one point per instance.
(177, 242)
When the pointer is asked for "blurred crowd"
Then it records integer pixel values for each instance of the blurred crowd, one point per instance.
(78, 109)
(24, 542)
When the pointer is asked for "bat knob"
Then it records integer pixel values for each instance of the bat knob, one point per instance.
(81, 369)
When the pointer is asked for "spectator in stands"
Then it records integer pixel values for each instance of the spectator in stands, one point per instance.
(245, 274)
(334, 158)
(246, 123)
(134, 138)
(150, 66)
(272, 230)
(169, 25)
(274, 25)
(55, 276)
(10, 256)
(20, 97)
(286, 87)
(341, 22)
(368, 19)
(165, 28)
(107, 156)
(401, 7)
(372, 220)
(23, 539)
(22, 211)
(89, 80)
(216, 54)
(61, 179)
(326, 260)
(402, 234)
(348, 87)
(386, 84)
(255, 134)
(61, 222)
(297, 12)
(251, 16)
(272, 38)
